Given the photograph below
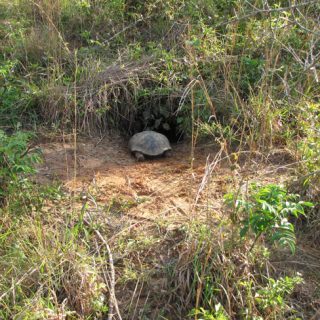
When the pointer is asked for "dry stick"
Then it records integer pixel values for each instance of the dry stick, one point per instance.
(228, 299)
(136, 306)
(134, 293)
(208, 171)
(29, 273)
(202, 84)
(185, 94)
(75, 118)
(298, 262)
(259, 11)
(193, 144)
(113, 301)
(193, 140)
(123, 30)
(106, 276)
(295, 20)
(194, 133)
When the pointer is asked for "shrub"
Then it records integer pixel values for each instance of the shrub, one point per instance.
(16, 161)
(266, 211)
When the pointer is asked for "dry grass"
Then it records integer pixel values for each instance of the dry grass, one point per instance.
(110, 96)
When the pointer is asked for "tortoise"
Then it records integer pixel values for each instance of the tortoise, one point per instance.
(149, 144)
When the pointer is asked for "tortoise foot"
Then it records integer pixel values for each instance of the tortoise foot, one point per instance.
(139, 156)
(168, 154)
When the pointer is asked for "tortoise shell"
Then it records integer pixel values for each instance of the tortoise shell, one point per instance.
(149, 143)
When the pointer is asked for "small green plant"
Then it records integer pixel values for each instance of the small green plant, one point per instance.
(266, 212)
(16, 95)
(217, 314)
(252, 72)
(271, 298)
(309, 146)
(16, 160)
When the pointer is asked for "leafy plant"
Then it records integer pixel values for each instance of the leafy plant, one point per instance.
(273, 295)
(16, 95)
(252, 71)
(309, 146)
(217, 314)
(16, 160)
(267, 211)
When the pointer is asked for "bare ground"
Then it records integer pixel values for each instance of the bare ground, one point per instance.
(169, 186)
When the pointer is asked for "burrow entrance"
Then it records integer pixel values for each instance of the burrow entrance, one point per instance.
(161, 116)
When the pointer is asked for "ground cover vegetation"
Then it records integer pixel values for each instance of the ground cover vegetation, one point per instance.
(241, 75)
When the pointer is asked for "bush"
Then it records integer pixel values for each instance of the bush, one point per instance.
(16, 161)
(266, 211)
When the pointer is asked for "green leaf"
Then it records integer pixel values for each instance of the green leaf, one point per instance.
(307, 204)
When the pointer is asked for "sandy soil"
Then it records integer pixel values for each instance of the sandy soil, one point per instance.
(162, 187)
(159, 186)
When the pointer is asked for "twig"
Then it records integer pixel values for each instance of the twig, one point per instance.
(297, 262)
(107, 41)
(210, 167)
(29, 273)
(113, 300)
(29, 147)
(268, 10)
(134, 293)
(317, 172)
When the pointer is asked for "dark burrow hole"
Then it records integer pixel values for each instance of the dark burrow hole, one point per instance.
(170, 129)
(160, 117)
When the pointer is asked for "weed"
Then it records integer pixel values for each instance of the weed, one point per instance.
(217, 314)
(271, 298)
(267, 211)
(309, 149)
(17, 162)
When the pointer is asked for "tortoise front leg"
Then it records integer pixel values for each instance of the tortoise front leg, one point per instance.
(139, 156)
(168, 154)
